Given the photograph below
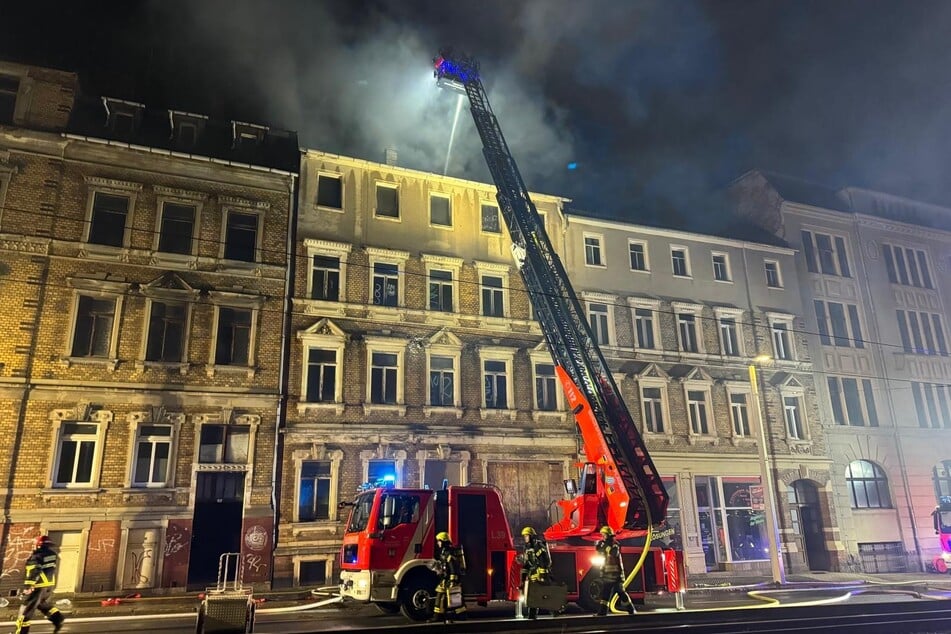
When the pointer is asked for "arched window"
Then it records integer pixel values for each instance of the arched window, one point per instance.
(868, 485)
(942, 479)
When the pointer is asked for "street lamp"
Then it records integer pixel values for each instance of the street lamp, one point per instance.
(769, 493)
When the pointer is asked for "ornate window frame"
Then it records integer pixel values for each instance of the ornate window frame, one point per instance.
(243, 301)
(227, 417)
(156, 415)
(324, 335)
(113, 187)
(320, 453)
(99, 288)
(341, 250)
(507, 356)
(81, 413)
(171, 195)
(390, 345)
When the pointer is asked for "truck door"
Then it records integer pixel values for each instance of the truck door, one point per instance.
(398, 540)
(470, 521)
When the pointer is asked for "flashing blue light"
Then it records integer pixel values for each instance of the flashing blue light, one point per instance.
(388, 478)
(572, 166)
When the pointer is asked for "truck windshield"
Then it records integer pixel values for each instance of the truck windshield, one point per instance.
(945, 518)
(360, 514)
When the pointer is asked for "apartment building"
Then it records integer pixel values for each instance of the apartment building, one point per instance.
(873, 270)
(143, 269)
(415, 357)
(680, 318)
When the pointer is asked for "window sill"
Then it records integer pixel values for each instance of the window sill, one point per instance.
(723, 281)
(547, 414)
(659, 436)
(800, 446)
(162, 494)
(221, 466)
(109, 364)
(742, 441)
(91, 492)
(776, 288)
(378, 408)
(306, 408)
(430, 410)
(486, 412)
(697, 439)
(336, 210)
(385, 313)
(94, 251)
(682, 277)
(322, 307)
(182, 368)
(187, 260)
(211, 369)
(495, 323)
(331, 527)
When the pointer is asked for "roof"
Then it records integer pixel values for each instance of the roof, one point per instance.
(278, 149)
(798, 190)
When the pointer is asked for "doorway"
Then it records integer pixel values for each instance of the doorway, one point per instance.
(219, 506)
(67, 544)
(805, 507)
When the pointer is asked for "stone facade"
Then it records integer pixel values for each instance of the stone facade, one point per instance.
(873, 271)
(140, 365)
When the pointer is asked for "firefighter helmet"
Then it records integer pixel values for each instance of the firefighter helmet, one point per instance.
(443, 537)
(607, 531)
(528, 530)
(42, 540)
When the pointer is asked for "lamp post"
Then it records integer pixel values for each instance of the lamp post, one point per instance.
(769, 492)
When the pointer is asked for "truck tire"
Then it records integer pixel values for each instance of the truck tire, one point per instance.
(388, 608)
(417, 596)
(589, 594)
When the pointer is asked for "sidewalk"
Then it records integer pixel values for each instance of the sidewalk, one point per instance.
(712, 583)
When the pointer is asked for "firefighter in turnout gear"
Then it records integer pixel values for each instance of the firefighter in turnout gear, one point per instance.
(536, 563)
(612, 573)
(450, 566)
(38, 583)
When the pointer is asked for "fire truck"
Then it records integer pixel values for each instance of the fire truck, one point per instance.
(942, 528)
(388, 545)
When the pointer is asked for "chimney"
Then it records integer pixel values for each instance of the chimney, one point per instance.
(390, 156)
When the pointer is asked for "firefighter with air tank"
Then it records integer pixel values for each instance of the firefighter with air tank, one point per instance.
(612, 572)
(536, 566)
(450, 566)
(38, 583)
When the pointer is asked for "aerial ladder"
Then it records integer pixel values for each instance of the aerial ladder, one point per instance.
(620, 486)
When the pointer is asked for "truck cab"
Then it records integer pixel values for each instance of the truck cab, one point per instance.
(942, 528)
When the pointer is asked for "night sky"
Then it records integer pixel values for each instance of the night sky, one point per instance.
(656, 102)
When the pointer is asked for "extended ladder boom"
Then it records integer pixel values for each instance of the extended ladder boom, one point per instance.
(611, 440)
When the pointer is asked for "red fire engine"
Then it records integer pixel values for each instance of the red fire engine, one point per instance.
(389, 541)
(942, 528)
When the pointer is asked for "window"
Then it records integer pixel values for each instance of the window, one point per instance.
(224, 444)
(9, 87)
(166, 339)
(721, 267)
(687, 329)
(233, 345)
(592, 251)
(314, 499)
(381, 471)
(153, 447)
(868, 485)
(825, 254)
(941, 474)
(644, 328)
(598, 319)
(177, 229)
(329, 191)
(841, 321)
(384, 375)
(729, 340)
(440, 211)
(546, 396)
(652, 402)
(853, 402)
(95, 322)
(442, 382)
(386, 284)
(792, 414)
(108, 223)
(493, 298)
(697, 406)
(495, 379)
(782, 344)
(921, 333)
(773, 276)
(321, 375)
(490, 219)
(933, 405)
(325, 278)
(638, 255)
(678, 257)
(440, 290)
(740, 414)
(187, 128)
(907, 266)
(241, 236)
(76, 454)
(387, 202)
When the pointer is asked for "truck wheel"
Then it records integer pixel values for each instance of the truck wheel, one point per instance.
(388, 608)
(417, 596)
(589, 594)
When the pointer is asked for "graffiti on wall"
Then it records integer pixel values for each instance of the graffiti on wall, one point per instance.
(255, 549)
(140, 568)
(19, 547)
(175, 539)
(101, 545)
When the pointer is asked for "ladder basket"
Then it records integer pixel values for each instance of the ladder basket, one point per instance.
(228, 607)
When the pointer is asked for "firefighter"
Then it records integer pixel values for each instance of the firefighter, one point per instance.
(612, 572)
(451, 567)
(536, 563)
(38, 583)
